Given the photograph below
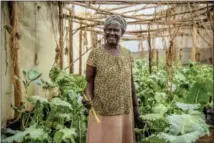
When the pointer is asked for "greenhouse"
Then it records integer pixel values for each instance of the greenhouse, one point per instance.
(131, 71)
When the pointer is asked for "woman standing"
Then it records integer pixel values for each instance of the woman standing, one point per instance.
(111, 88)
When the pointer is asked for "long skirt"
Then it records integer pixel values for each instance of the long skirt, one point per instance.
(111, 129)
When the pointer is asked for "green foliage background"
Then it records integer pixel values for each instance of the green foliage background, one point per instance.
(171, 113)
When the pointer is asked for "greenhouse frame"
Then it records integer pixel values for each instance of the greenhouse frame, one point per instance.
(44, 50)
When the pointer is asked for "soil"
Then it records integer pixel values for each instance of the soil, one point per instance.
(209, 115)
(207, 139)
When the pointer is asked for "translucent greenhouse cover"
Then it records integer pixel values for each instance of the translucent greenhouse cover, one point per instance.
(131, 45)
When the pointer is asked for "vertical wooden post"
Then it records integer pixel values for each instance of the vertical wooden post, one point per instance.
(150, 51)
(14, 47)
(71, 42)
(36, 62)
(61, 33)
(174, 50)
(197, 55)
(194, 44)
(212, 57)
(170, 55)
(157, 59)
(213, 62)
(80, 51)
(139, 45)
(93, 39)
(141, 48)
(212, 49)
(180, 55)
(153, 54)
(153, 51)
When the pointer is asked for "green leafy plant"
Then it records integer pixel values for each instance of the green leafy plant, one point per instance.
(33, 133)
(175, 119)
(30, 76)
(189, 94)
(59, 120)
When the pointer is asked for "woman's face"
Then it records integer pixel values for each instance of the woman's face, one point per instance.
(113, 33)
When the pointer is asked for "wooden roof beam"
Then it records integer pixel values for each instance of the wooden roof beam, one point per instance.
(66, 16)
(112, 2)
(99, 22)
(154, 31)
(142, 8)
(164, 2)
(162, 17)
(103, 11)
(122, 7)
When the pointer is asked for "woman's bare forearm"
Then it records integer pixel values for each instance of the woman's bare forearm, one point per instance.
(134, 96)
(90, 76)
(90, 90)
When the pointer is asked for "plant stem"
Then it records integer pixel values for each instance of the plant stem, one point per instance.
(27, 120)
(196, 99)
(80, 131)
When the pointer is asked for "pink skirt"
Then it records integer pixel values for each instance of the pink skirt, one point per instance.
(111, 129)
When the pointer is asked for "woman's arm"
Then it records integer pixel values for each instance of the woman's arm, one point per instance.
(90, 76)
(134, 99)
(139, 123)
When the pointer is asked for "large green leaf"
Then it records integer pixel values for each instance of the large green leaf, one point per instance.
(36, 133)
(17, 137)
(160, 97)
(32, 74)
(154, 139)
(58, 137)
(185, 106)
(35, 99)
(31, 133)
(152, 116)
(185, 138)
(59, 102)
(198, 94)
(66, 134)
(185, 123)
(160, 109)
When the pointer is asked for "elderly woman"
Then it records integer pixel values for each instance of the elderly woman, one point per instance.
(111, 88)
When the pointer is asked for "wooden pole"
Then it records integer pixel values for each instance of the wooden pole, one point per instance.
(112, 9)
(128, 2)
(197, 55)
(142, 50)
(174, 50)
(93, 39)
(153, 54)
(80, 51)
(197, 50)
(14, 47)
(122, 7)
(193, 50)
(36, 62)
(213, 47)
(157, 59)
(150, 51)
(71, 42)
(61, 44)
(141, 8)
(180, 55)
(170, 54)
(103, 11)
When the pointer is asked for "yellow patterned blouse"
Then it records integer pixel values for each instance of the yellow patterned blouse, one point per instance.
(112, 92)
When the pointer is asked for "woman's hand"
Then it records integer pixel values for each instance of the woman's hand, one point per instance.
(139, 123)
(86, 104)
